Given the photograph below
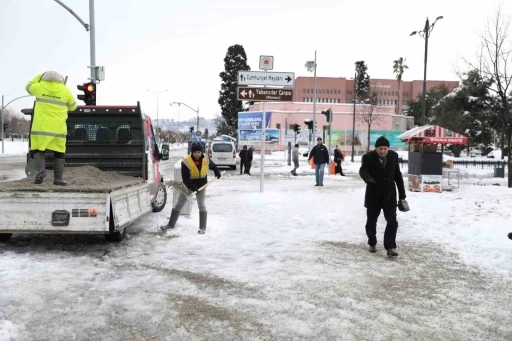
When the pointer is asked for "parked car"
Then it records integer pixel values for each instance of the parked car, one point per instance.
(223, 153)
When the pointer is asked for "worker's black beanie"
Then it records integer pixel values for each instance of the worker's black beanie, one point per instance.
(382, 142)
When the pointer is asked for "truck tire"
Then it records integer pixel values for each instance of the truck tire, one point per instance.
(5, 237)
(161, 198)
(114, 237)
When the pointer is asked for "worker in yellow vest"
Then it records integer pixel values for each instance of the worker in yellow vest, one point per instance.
(194, 172)
(48, 130)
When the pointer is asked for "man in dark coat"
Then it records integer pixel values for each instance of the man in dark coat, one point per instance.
(248, 162)
(243, 159)
(320, 157)
(381, 171)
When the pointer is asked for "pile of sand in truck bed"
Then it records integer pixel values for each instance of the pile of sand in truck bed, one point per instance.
(80, 179)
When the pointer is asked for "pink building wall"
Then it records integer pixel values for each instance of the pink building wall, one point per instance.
(341, 90)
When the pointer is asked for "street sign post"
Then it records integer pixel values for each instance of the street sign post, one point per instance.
(264, 94)
(266, 78)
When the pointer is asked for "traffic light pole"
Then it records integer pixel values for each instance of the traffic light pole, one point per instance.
(91, 28)
(329, 132)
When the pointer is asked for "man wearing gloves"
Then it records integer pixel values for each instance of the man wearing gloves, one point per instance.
(381, 171)
(194, 173)
(49, 130)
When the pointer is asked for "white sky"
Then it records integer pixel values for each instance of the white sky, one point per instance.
(180, 46)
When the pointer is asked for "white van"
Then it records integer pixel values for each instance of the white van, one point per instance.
(223, 153)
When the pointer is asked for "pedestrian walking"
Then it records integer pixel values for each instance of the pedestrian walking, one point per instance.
(48, 130)
(338, 158)
(295, 159)
(381, 173)
(320, 156)
(194, 173)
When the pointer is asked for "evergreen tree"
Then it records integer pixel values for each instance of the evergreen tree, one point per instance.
(433, 97)
(205, 135)
(235, 60)
(362, 82)
(468, 110)
(399, 68)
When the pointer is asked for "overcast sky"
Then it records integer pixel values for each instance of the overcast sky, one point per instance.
(180, 46)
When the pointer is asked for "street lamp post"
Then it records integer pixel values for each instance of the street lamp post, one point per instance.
(425, 33)
(194, 110)
(92, 34)
(2, 117)
(311, 67)
(157, 117)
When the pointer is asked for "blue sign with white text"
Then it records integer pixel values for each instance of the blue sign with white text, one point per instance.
(253, 119)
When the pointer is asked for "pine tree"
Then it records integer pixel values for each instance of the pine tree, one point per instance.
(362, 82)
(235, 60)
(205, 135)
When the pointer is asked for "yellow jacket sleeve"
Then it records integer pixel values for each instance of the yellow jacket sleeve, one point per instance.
(35, 80)
(71, 101)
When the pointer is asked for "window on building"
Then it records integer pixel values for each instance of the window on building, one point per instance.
(303, 91)
(339, 92)
(278, 125)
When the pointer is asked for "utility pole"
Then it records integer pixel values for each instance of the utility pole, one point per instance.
(354, 120)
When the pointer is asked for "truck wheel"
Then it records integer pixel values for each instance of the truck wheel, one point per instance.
(115, 237)
(161, 198)
(5, 237)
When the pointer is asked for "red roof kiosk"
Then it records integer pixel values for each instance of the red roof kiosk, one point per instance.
(425, 162)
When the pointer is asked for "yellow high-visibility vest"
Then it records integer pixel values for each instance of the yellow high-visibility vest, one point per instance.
(53, 101)
(194, 171)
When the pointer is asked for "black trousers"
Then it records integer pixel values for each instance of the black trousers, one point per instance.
(338, 169)
(248, 167)
(242, 165)
(372, 215)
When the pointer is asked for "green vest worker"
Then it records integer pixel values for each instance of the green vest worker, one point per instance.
(49, 130)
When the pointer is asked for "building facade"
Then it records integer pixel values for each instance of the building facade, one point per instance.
(284, 115)
(341, 90)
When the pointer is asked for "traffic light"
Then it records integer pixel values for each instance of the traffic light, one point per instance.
(191, 129)
(328, 114)
(6, 127)
(309, 123)
(89, 96)
(296, 128)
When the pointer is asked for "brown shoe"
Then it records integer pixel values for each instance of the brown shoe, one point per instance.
(372, 249)
(392, 253)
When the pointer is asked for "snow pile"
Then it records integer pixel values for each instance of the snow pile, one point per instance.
(14, 148)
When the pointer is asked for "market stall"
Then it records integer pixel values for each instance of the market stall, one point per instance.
(426, 147)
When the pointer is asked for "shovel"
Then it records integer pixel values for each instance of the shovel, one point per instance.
(203, 187)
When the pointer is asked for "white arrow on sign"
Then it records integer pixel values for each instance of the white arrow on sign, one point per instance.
(243, 93)
(266, 78)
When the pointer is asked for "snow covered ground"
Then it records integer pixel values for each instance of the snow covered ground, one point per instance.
(289, 264)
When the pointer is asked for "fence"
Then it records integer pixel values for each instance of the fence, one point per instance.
(471, 164)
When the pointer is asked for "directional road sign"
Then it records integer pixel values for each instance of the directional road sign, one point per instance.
(266, 78)
(264, 94)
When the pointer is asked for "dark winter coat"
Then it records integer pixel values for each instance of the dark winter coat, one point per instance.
(337, 155)
(195, 184)
(249, 155)
(382, 193)
(320, 153)
(243, 155)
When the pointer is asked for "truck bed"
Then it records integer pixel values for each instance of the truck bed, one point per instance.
(86, 179)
